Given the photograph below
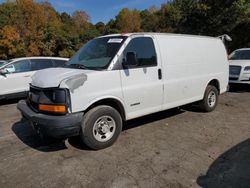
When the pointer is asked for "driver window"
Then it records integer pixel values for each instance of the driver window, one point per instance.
(143, 48)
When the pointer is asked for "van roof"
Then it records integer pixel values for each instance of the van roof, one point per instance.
(155, 34)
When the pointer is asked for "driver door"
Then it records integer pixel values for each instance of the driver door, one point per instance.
(142, 84)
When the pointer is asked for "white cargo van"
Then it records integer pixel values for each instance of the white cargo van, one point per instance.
(120, 77)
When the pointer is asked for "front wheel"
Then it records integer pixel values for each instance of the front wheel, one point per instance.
(101, 127)
(210, 100)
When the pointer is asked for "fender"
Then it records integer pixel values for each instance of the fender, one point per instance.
(213, 79)
(107, 97)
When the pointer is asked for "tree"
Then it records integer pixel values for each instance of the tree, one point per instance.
(129, 21)
(208, 17)
(149, 21)
(111, 27)
(81, 19)
(29, 27)
(6, 12)
(100, 26)
(10, 43)
(170, 16)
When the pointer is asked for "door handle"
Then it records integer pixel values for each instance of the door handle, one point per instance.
(26, 76)
(159, 74)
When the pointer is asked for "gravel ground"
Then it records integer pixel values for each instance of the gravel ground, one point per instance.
(176, 148)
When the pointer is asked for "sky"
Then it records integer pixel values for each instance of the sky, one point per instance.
(101, 10)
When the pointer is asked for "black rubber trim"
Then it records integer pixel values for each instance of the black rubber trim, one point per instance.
(50, 125)
(14, 95)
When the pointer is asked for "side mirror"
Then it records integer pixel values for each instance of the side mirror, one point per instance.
(3, 72)
(228, 38)
(131, 60)
(225, 38)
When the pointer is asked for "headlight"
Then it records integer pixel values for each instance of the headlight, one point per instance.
(247, 68)
(54, 100)
(57, 96)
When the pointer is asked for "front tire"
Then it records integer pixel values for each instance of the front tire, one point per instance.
(210, 100)
(101, 127)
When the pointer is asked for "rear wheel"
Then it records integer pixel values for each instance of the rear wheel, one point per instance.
(101, 127)
(210, 100)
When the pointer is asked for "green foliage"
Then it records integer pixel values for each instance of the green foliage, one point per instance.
(6, 12)
(149, 21)
(29, 28)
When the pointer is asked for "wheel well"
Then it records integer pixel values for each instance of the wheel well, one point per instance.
(215, 83)
(110, 102)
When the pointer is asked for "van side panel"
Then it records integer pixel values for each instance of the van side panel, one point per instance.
(189, 64)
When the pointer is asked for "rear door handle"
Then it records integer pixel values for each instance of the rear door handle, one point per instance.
(159, 74)
(26, 76)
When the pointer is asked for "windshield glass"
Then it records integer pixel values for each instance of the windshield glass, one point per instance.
(240, 55)
(97, 53)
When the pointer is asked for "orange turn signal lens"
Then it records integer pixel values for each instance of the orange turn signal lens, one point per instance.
(52, 108)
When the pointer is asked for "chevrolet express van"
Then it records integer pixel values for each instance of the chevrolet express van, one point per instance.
(116, 78)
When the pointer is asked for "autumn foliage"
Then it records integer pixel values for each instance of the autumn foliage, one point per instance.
(31, 28)
(9, 42)
(129, 21)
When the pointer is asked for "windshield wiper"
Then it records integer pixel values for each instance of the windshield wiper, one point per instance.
(78, 66)
(81, 66)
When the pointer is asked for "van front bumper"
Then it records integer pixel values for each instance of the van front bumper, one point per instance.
(51, 125)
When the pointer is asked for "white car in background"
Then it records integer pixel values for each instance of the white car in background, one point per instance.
(240, 66)
(15, 74)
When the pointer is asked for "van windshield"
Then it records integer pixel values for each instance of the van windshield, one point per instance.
(97, 53)
(240, 55)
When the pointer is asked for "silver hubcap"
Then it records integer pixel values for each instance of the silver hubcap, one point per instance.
(211, 99)
(104, 128)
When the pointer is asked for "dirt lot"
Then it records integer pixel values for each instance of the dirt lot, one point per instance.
(176, 148)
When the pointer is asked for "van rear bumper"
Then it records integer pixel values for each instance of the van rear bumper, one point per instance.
(51, 125)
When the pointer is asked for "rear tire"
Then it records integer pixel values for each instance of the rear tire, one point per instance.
(101, 126)
(210, 100)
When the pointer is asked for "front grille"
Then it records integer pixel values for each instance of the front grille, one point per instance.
(233, 78)
(235, 70)
(33, 97)
(33, 105)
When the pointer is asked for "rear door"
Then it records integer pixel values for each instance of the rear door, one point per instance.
(142, 84)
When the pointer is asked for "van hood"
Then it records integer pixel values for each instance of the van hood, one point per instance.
(53, 77)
